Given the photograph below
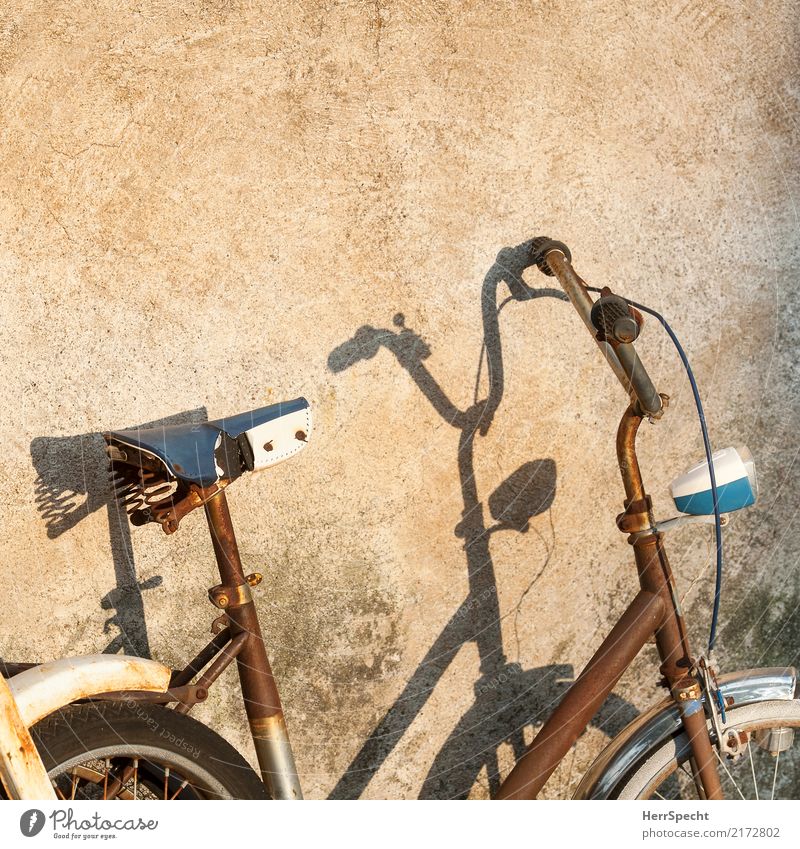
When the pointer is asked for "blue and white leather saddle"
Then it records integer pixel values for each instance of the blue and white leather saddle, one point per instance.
(207, 452)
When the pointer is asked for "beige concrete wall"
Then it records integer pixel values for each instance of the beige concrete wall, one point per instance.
(201, 203)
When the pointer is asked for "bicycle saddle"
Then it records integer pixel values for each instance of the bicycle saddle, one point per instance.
(205, 453)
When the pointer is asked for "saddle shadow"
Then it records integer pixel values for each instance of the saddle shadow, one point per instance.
(72, 482)
(507, 698)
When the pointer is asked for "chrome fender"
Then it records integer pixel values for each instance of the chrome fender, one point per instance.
(656, 725)
(43, 689)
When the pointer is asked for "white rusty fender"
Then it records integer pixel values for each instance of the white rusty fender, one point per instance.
(42, 689)
(21, 769)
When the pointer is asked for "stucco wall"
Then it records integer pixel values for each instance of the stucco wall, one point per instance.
(207, 207)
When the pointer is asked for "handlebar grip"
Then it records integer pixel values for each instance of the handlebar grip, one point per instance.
(540, 247)
(644, 390)
(618, 324)
(611, 320)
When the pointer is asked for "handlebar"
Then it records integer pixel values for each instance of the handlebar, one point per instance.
(614, 325)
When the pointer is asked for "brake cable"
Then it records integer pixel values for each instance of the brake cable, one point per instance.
(707, 445)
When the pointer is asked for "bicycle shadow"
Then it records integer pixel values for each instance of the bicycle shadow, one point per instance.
(72, 483)
(506, 696)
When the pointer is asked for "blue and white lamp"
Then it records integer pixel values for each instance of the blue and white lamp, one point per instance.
(737, 486)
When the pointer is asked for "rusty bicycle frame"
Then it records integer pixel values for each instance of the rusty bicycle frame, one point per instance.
(654, 612)
(141, 486)
(237, 636)
(259, 690)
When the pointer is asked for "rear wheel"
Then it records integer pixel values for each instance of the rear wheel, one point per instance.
(136, 750)
(764, 759)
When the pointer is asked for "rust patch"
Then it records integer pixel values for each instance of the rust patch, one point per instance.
(21, 769)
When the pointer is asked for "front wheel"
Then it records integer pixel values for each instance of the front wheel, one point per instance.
(137, 750)
(764, 762)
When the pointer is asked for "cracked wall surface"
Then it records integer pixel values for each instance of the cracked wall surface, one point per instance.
(208, 207)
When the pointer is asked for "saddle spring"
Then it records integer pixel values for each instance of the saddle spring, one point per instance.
(147, 496)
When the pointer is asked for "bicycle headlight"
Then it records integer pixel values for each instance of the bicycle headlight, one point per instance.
(737, 485)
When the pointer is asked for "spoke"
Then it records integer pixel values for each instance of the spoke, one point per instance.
(183, 784)
(105, 779)
(679, 793)
(733, 780)
(114, 792)
(659, 795)
(135, 776)
(697, 783)
(775, 775)
(122, 776)
(752, 768)
(74, 785)
(166, 780)
(58, 790)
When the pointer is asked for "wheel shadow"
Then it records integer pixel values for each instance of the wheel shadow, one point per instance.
(72, 482)
(506, 696)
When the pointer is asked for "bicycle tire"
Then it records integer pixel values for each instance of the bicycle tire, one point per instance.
(174, 756)
(661, 769)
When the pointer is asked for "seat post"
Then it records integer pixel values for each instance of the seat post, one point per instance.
(259, 689)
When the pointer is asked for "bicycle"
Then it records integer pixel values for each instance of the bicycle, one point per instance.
(117, 727)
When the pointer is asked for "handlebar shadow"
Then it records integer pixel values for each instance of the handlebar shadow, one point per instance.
(507, 698)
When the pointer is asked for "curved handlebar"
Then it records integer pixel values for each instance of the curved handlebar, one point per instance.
(554, 258)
